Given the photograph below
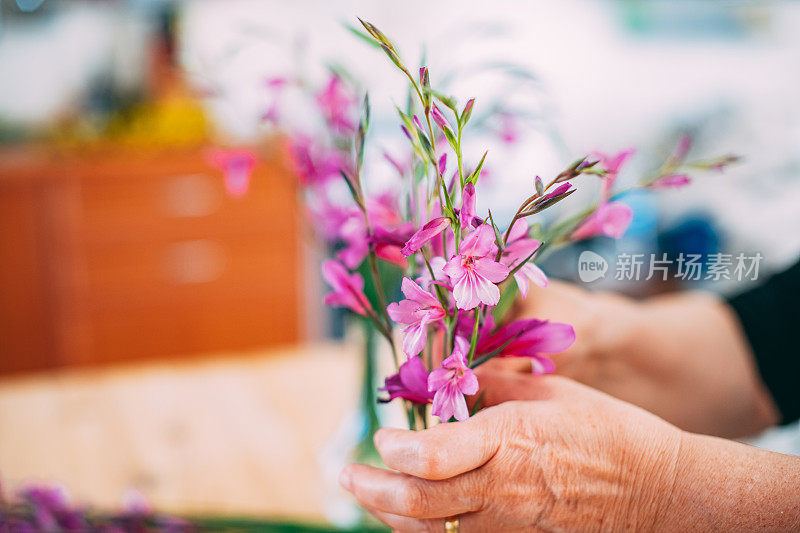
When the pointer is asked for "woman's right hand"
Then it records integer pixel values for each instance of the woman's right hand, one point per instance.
(681, 356)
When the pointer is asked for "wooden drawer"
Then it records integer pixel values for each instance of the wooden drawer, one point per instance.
(141, 257)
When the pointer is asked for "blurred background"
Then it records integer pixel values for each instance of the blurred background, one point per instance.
(158, 334)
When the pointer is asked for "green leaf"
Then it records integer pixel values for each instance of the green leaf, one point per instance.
(498, 235)
(363, 36)
(451, 138)
(354, 191)
(473, 178)
(394, 57)
(377, 34)
(467, 113)
(448, 101)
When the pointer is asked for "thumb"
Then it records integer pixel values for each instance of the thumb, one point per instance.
(443, 451)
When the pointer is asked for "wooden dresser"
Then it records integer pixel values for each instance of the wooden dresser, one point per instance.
(120, 255)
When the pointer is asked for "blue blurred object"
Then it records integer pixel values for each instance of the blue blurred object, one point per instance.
(696, 234)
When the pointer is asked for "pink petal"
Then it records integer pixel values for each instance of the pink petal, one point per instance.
(480, 242)
(414, 338)
(522, 283)
(518, 230)
(486, 291)
(615, 219)
(405, 312)
(460, 410)
(438, 378)
(412, 291)
(490, 269)
(414, 376)
(465, 291)
(675, 181)
(468, 383)
(443, 404)
(425, 234)
(541, 365)
(467, 214)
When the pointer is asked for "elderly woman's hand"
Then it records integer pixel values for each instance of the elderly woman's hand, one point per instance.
(574, 459)
(681, 356)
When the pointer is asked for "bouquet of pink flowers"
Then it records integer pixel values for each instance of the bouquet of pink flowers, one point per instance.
(460, 269)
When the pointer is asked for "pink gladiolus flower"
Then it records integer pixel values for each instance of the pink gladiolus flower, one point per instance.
(388, 236)
(531, 338)
(312, 164)
(336, 105)
(410, 383)
(419, 309)
(425, 234)
(451, 382)
(612, 165)
(474, 273)
(610, 219)
(674, 181)
(442, 164)
(237, 165)
(518, 249)
(348, 289)
(388, 243)
(467, 213)
(508, 128)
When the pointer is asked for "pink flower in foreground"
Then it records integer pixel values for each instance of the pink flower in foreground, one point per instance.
(474, 273)
(425, 234)
(675, 181)
(237, 165)
(410, 383)
(518, 249)
(336, 104)
(419, 309)
(348, 289)
(610, 219)
(451, 382)
(530, 338)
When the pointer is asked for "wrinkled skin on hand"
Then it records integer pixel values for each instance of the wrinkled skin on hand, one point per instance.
(681, 356)
(567, 458)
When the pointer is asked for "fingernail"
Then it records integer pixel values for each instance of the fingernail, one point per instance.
(346, 478)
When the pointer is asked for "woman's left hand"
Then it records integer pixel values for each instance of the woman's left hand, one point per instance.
(568, 458)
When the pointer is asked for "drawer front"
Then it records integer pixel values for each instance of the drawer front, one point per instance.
(172, 266)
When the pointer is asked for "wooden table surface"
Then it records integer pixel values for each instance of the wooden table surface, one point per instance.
(239, 434)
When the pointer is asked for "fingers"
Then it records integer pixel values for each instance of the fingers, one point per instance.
(404, 495)
(441, 452)
(469, 522)
(404, 523)
(502, 386)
